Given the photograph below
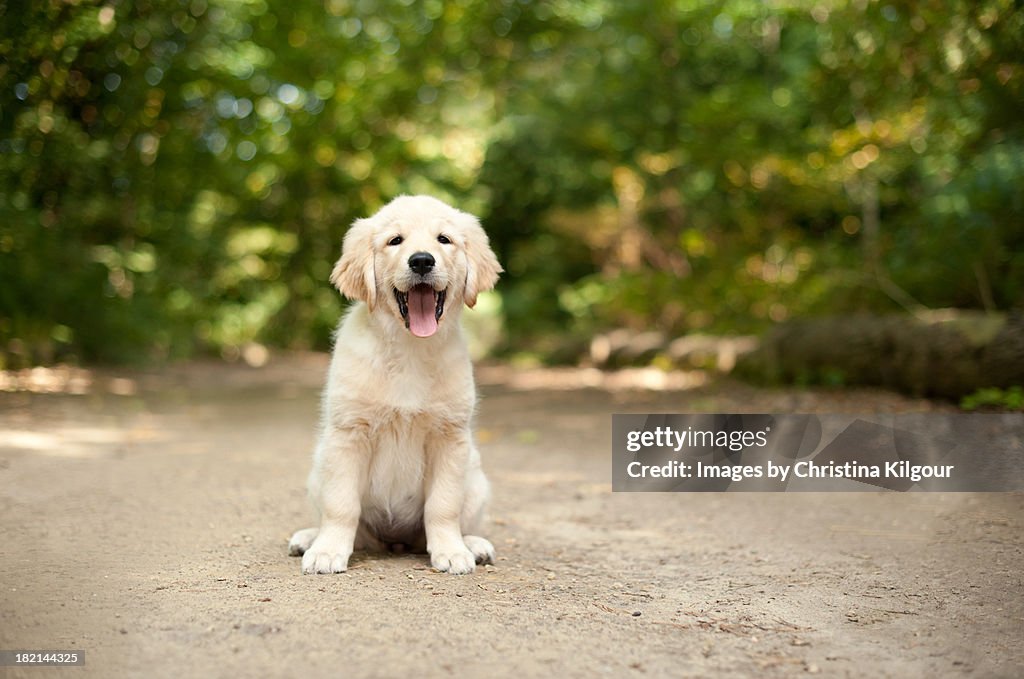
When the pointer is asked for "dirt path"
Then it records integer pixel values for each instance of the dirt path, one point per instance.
(145, 522)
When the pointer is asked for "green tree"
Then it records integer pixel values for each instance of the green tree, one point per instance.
(177, 174)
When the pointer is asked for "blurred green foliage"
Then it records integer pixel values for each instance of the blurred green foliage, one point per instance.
(177, 174)
(994, 398)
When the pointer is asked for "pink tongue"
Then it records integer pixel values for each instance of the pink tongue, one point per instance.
(422, 322)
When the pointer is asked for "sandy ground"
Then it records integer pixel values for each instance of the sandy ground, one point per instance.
(145, 522)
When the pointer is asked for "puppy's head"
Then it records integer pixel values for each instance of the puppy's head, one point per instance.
(413, 259)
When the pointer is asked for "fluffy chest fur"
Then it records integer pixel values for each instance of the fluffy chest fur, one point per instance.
(402, 390)
(379, 372)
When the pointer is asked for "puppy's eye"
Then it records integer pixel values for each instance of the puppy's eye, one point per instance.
(397, 240)
(444, 240)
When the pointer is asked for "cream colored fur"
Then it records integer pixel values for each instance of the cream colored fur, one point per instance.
(395, 465)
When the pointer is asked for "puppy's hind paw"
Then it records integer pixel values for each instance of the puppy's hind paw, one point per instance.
(482, 549)
(301, 541)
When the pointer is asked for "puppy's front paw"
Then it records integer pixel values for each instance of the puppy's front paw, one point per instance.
(458, 562)
(325, 557)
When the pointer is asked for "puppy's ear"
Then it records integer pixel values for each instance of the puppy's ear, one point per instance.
(354, 274)
(482, 266)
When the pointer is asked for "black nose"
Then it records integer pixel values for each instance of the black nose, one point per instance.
(421, 262)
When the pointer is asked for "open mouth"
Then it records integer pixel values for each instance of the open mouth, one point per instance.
(421, 308)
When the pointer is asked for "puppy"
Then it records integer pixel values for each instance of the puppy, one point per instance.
(395, 467)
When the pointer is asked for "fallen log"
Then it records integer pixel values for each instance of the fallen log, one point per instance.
(945, 353)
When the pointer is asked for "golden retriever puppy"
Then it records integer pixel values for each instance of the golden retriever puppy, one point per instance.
(395, 467)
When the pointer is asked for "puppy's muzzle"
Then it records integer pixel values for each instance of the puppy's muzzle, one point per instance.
(421, 306)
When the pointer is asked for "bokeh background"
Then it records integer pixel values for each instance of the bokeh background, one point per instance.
(176, 175)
